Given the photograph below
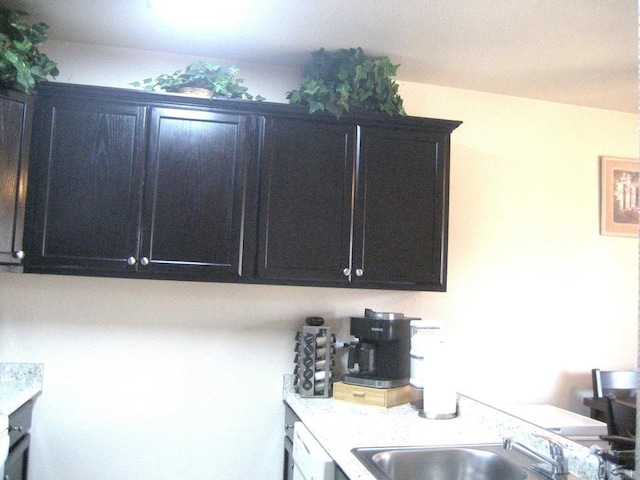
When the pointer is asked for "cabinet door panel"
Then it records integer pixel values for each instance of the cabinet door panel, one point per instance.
(17, 465)
(87, 198)
(195, 197)
(306, 200)
(403, 208)
(15, 129)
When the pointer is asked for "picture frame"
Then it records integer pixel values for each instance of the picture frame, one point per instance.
(619, 196)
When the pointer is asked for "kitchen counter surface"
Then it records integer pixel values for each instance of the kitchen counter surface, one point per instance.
(340, 426)
(19, 382)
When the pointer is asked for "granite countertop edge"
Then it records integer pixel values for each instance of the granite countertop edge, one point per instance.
(19, 382)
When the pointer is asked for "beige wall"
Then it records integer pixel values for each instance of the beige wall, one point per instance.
(528, 266)
(159, 379)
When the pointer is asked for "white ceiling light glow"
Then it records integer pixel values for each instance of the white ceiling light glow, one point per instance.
(200, 13)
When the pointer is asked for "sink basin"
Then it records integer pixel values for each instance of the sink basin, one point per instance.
(459, 462)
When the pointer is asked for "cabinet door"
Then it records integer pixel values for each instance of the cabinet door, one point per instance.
(401, 225)
(306, 201)
(196, 194)
(15, 129)
(287, 464)
(17, 465)
(84, 208)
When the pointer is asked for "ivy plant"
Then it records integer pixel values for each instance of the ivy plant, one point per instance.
(222, 81)
(21, 63)
(345, 80)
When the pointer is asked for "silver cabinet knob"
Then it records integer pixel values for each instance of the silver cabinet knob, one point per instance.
(131, 260)
(144, 261)
(359, 272)
(19, 254)
(346, 272)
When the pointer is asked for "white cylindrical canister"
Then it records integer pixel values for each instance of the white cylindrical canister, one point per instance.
(440, 399)
(425, 336)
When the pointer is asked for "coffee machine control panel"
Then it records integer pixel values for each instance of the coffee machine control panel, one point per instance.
(381, 328)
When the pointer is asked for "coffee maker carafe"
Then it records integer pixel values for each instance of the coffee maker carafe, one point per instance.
(381, 357)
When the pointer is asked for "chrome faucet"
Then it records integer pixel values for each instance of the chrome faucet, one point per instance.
(554, 465)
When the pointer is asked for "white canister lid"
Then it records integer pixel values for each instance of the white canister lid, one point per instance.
(426, 324)
(424, 333)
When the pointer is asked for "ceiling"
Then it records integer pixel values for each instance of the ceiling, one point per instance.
(582, 52)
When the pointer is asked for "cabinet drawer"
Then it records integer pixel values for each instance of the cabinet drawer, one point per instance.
(381, 397)
(20, 422)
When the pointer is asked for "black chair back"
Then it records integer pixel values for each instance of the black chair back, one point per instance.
(621, 383)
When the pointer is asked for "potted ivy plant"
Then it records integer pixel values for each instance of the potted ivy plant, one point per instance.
(345, 80)
(201, 78)
(21, 63)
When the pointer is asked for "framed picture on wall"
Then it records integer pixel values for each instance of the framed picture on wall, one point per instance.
(619, 196)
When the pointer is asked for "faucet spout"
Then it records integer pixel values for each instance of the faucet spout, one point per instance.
(552, 465)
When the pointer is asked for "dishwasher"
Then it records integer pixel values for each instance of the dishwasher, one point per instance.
(310, 460)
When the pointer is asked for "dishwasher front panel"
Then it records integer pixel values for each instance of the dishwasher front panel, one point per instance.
(310, 460)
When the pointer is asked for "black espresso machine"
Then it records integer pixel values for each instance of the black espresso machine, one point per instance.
(381, 357)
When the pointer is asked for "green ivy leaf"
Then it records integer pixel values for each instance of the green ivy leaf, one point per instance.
(23, 46)
(12, 57)
(347, 77)
(316, 107)
(25, 80)
(23, 65)
(337, 111)
(38, 33)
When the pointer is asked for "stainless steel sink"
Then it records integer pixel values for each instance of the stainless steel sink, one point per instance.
(459, 462)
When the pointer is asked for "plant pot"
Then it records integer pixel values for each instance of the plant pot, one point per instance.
(195, 92)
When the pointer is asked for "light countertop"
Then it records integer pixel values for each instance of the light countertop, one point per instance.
(340, 426)
(19, 382)
(557, 420)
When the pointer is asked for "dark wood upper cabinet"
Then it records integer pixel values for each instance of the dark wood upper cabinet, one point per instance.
(130, 189)
(196, 193)
(137, 184)
(400, 233)
(352, 204)
(15, 136)
(306, 200)
(85, 198)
